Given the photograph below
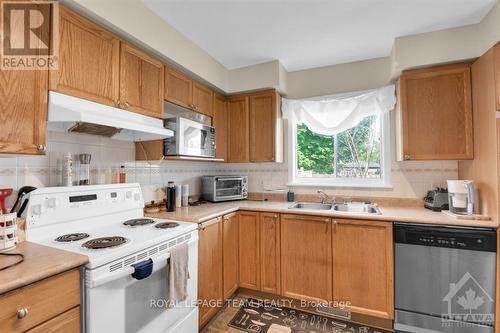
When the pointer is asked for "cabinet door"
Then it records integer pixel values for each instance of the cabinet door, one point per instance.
(209, 268)
(202, 99)
(69, 321)
(89, 59)
(249, 249)
(23, 109)
(263, 126)
(436, 113)
(238, 116)
(230, 253)
(178, 88)
(141, 82)
(306, 257)
(363, 266)
(270, 253)
(496, 52)
(219, 121)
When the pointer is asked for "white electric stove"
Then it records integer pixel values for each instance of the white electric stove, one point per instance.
(106, 223)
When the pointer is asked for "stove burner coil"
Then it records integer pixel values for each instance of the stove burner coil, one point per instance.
(167, 225)
(138, 222)
(104, 242)
(72, 237)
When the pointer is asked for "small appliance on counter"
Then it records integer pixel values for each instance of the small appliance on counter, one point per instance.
(437, 199)
(461, 196)
(224, 188)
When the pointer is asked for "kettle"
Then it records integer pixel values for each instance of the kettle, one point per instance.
(461, 196)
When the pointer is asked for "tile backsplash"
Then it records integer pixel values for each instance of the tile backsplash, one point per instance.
(410, 179)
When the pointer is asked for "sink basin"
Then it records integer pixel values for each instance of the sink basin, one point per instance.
(311, 205)
(357, 208)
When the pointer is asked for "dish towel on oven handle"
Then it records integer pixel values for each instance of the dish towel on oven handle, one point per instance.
(178, 274)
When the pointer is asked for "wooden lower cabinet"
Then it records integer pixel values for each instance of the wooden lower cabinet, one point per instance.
(363, 266)
(230, 235)
(68, 322)
(306, 257)
(46, 301)
(270, 253)
(249, 250)
(209, 269)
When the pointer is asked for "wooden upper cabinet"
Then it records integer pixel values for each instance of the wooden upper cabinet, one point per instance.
(496, 52)
(89, 59)
(306, 257)
(249, 250)
(141, 82)
(265, 124)
(23, 109)
(363, 270)
(230, 236)
(202, 99)
(209, 268)
(178, 88)
(435, 114)
(220, 122)
(238, 134)
(270, 253)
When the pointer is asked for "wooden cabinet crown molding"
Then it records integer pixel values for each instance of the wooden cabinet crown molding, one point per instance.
(434, 113)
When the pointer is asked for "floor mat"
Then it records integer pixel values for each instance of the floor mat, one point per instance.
(256, 317)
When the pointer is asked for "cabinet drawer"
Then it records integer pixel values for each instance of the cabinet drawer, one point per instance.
(44, 300)
(67, 322)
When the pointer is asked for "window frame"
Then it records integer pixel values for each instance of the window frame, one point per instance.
(385, 162)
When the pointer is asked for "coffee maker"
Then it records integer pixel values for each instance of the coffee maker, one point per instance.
(461, 196)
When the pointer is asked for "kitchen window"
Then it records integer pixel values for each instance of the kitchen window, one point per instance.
(344, 144)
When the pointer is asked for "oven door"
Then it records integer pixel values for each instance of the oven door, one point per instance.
(229, 188)
(195, 139)
(117, 302)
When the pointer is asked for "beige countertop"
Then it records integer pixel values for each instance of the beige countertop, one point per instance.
(390, 213)
(40, 262)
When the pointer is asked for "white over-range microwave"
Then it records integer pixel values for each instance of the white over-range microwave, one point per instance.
(224, 188)
(191, 138)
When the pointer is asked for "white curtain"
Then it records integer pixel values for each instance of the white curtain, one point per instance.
(335, 114)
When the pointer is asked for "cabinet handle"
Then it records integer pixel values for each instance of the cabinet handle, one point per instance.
(407, 157)
(126, 105)
(117, 102)
(41, 148)
(22, 313)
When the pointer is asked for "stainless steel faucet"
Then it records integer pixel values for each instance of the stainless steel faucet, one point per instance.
(324, 197)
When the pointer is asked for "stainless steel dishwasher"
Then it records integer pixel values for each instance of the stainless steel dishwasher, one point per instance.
(444, 279)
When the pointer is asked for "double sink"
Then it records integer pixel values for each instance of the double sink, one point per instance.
(353, 207)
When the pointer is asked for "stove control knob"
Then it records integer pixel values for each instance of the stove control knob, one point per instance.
(52, 203)
(137, 197)
(128, 194)
(36, 209)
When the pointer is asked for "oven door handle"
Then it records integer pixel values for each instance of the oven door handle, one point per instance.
(128, 271)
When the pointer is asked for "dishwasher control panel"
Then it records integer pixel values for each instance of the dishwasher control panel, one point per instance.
(476, 239)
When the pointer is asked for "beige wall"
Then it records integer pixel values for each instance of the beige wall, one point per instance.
(128, 17)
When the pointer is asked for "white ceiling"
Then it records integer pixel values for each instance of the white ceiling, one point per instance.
(309, 33)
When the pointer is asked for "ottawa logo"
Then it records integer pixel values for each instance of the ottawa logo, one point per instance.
(468, 302)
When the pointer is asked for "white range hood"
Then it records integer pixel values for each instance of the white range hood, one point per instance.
(73, 114)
